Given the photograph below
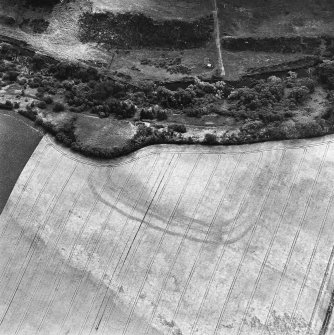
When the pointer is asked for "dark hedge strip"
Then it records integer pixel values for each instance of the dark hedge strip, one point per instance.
(128, 30)
(294, 44)
(41, 3)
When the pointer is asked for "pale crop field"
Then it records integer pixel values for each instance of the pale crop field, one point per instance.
(170, 240)
(158, 9)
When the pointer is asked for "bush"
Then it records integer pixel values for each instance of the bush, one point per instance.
(210, 139)
(29, 113)
(179, 69)
(307, 82)
(11, 75)
(147, 113)
(41, 104)
(325, 72)
(22, 81)
(104, 90)
(63, 131)
(207, 87)
(100, 110)
(183, 98)
(127, 110)
(7, 105)
(143, 133)
(309, 129)
(48, 99)
(263, 94)
(161, 115)
(35, 82)
(64, 70)
(179, 99)
(166, 97)
(58, 107)
(114, 106)
(194, 112)
(38, 62)
(179, 128)
(299, 94)
(328, 114)
(68, 85)
(87, 74)
(38, 26)
(269, 117)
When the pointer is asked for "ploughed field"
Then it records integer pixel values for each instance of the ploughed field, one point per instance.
(171, 240)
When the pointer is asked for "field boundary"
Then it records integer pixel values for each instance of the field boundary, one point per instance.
(188, 149)
(221, 69)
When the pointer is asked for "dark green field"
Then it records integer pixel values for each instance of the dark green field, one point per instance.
(17, 143)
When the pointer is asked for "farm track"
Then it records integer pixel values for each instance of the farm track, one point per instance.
(171, 240)
(221, 69)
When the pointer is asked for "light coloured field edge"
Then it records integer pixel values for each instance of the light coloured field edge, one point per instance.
(221, 69)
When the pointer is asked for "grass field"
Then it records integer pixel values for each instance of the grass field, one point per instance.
(276, 18)
(171, 240)
(239, 19)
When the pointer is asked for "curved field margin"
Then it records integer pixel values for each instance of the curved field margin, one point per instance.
(171, 240)
(17, 142)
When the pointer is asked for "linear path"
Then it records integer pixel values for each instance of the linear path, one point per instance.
(175, 240)
(221, 69)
